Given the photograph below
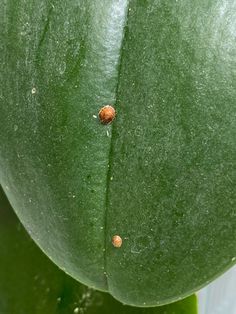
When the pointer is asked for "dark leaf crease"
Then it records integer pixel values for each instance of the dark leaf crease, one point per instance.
(111, 147)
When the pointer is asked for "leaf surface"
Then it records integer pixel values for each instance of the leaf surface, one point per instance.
(31, 283)
(161, 176)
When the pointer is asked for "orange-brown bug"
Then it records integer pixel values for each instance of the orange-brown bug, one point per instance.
(116, 241)
(107, 114)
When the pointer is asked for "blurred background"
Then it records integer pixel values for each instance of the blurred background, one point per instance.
(219, 297)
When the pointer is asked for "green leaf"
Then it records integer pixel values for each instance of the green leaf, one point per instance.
(31, 283)
(162, 175)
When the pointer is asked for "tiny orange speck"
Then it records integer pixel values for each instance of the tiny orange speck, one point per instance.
(107, 114)
(116, 241)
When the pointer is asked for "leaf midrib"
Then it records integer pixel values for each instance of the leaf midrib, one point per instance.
(110, 153)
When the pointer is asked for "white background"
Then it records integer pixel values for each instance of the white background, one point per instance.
(219, 297)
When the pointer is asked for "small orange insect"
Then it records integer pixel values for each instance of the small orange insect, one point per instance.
(116, 241)
(107, 114)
